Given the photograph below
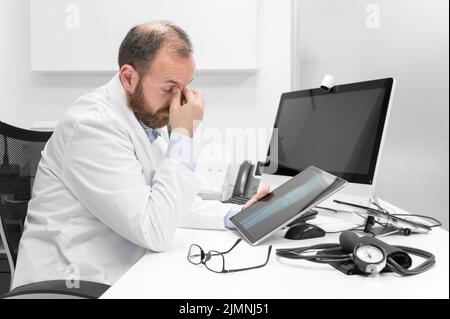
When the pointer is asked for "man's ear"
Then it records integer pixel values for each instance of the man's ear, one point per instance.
(129, 78)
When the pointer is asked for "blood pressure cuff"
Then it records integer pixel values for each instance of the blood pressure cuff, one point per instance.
(398, 255)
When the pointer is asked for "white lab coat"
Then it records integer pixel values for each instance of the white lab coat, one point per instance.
(104, 195)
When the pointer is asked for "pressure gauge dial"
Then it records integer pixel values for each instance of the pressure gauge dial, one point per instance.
(369, 258)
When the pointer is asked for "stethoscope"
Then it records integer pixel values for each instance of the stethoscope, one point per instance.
(368, 255)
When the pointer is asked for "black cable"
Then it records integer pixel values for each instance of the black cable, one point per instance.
(351, 229)
(298, 253)
(340, 231)
(358, 228)
(386, 212)
(381, 224)
(375, 221)
(438, 223)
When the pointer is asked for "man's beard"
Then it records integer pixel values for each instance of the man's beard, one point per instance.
(141, 108)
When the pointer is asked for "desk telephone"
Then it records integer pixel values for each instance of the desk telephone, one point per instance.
(245, 185)
(231, 183)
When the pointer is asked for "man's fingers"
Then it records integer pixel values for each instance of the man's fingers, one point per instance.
(263, 192)
(188, 94)
(251, 201)
(176, 97)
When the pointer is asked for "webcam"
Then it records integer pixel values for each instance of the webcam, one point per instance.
(327, 83)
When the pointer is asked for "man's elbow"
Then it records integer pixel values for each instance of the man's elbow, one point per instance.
(159, 238)
(161, 225)
(159, 246)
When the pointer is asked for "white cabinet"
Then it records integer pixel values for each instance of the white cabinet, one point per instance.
(85, 35)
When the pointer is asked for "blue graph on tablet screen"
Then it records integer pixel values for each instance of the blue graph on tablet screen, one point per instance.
(311, 187)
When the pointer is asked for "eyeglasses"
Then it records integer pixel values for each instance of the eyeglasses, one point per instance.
(215, 261)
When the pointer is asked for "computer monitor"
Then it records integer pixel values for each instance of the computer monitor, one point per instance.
(340, 131)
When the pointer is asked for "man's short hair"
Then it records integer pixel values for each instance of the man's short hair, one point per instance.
(142, 43)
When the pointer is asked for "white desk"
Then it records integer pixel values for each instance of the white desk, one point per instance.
(170, 275)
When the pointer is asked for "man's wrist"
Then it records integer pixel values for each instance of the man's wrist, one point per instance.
(183, 131)
(233, 211)
(183, 149)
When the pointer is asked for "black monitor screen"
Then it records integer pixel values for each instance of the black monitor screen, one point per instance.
(339, 131)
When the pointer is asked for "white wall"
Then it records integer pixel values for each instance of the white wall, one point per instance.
(251, 100)
(411, 44)
(233, 100)
(26, 96)
(62, 30)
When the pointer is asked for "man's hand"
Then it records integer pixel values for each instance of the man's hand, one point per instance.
(184, 118)
(263, 192)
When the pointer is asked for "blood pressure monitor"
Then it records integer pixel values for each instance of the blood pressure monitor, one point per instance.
(369, 258)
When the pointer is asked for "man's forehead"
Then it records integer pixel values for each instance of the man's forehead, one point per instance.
(173, 69)
(171, 81)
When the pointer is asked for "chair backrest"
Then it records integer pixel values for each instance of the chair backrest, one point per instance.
(20, 153)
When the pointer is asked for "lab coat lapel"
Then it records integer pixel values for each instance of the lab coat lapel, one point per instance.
(150, 155)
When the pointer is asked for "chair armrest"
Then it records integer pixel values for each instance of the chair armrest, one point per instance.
(57, 289)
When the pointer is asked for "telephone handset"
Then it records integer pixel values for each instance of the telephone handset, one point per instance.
(242, 179)
(233, 181)
(245, 186)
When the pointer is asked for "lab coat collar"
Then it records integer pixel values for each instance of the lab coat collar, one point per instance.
(148, 154)
(120, 102)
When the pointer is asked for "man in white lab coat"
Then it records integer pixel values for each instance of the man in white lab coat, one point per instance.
(112, 183)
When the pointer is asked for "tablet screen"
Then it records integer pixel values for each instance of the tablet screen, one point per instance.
(286, 203)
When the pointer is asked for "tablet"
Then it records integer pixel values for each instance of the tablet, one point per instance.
(286, 203)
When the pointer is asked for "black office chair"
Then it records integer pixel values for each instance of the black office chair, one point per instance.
(20, 153)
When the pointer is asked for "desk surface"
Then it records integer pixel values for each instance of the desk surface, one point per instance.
(170, 275)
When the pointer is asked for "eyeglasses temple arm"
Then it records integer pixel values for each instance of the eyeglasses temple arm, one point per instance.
(235, 244)
(254, 267)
